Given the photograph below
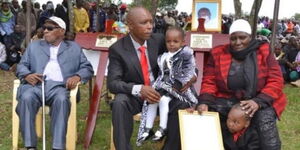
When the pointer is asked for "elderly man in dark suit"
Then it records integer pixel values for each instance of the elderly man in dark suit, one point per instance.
(132, 70)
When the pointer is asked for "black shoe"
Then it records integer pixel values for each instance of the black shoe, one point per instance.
(31, 148)
(146, 135)
(159, 134)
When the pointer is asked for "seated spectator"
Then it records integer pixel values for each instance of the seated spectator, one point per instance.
(38, 35)
(3, 65)
(279, 55)
(240, 135)
(264, 31)
(7, 20)
(292, 50)
(13, 46)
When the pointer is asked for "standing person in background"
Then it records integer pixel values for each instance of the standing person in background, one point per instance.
(102, 18)
(81, 17)
(62, 12)
(15, 7)
(49, 12)
(93, 17)
(159, 24)
(37, 11)
(169, 19)
(290, 27)
(44, 7)
(122, 13)
(21, 21)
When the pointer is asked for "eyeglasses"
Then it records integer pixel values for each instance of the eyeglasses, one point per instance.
(49, 28)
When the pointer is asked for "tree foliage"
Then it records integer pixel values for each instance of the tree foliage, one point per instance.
(152, 5)
(297, 16)
(167, 4)
(253, 14)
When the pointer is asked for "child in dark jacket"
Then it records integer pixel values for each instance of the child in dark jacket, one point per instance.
(240, 136)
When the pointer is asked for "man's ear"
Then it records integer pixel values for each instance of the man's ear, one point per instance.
(129, 24)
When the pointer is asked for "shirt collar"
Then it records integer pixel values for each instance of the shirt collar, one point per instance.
(238, 134)
(136, 44)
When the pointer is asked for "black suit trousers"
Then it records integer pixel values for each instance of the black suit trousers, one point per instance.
(123, 109)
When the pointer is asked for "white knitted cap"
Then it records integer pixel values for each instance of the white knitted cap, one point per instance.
(240, 25)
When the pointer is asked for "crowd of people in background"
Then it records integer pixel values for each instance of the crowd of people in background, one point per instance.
(112, 17)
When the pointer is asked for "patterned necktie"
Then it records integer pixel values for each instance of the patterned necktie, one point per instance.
(144, 64)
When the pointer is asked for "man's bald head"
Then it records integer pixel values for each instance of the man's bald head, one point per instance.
(135, 11)
(140, 24)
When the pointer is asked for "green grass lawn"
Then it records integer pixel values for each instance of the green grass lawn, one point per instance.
(289, 126)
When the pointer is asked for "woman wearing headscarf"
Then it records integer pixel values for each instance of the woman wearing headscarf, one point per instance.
(245, 71)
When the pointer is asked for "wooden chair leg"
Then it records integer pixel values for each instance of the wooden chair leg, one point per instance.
(39, 123)
(15, 118)
(112, 145)
(72, 126)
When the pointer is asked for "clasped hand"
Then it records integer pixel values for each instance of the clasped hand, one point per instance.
(34, 78)
(150, 94)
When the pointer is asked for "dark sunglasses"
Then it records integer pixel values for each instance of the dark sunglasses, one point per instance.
(49, 28)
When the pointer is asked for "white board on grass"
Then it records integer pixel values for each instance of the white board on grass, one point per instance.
(200, 132)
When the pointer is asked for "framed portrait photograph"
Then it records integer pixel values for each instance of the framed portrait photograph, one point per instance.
(200, 132)
(208, 11)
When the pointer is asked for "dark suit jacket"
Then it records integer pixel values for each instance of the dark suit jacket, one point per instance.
(124, 69)
(247, 141)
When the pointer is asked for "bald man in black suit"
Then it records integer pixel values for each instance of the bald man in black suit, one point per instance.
(126, 80)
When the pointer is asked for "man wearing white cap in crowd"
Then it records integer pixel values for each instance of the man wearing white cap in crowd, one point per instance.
(244, 71)
(63, 65)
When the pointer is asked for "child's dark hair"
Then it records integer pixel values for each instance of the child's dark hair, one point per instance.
(239, 107)
(177, 29)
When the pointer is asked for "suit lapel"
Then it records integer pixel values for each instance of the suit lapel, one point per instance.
(152, 53)
(132, 56)
(45, 47)
(62, 47)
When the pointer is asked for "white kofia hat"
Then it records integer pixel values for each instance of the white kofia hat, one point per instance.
(58, 21)
(240, 25)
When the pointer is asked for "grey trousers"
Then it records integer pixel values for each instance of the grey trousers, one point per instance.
(30, 100)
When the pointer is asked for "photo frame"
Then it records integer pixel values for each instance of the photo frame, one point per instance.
(211, 11)
(105, 40)
(200, 132)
